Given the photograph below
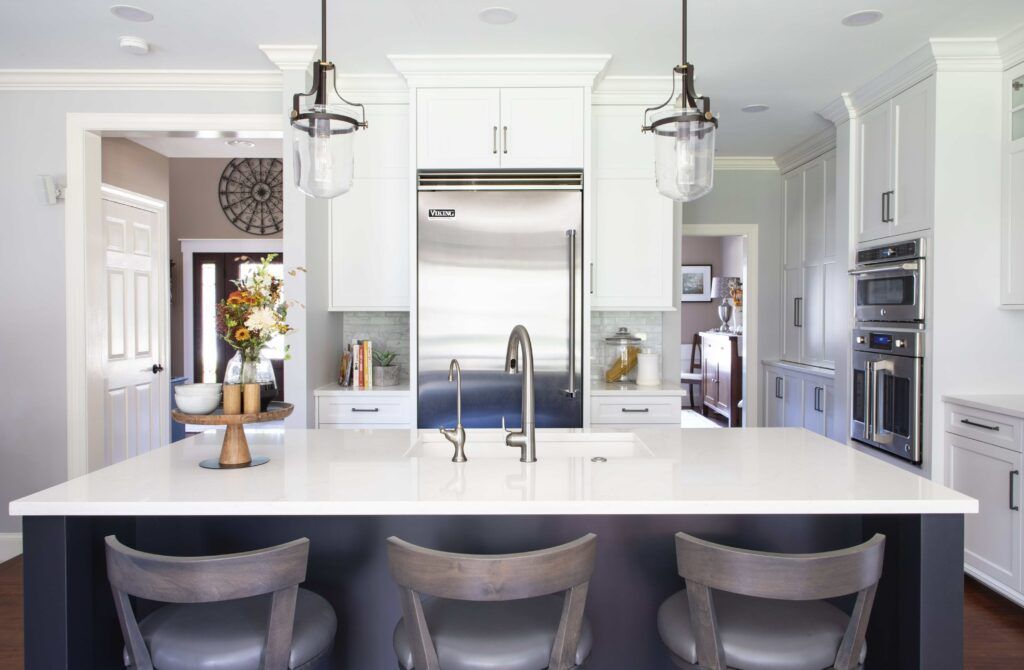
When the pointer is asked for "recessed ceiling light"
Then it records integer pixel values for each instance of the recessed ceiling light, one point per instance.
(134, 45)
(130, 13)
(755, 109)
(498, 16)
(863, 18)
(240, 143)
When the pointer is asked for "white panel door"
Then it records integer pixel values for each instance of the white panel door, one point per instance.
(792, 312)
(793, 202)
(992, 538)
(135, 384)
(541, 127)
(913, 143)
(875, 131)
(632, 247)
(457, 128)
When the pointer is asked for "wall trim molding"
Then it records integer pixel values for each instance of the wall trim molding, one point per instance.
(619, 90)
(966, 55)
(10, 546)
(139, 80)
(422, 70)
(746, 164)
(1011, 48)
(290, 56)
(808, 150)
(839, 111)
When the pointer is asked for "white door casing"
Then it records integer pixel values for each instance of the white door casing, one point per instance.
(128, 295)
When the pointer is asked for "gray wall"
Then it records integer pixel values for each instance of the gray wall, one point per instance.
(33, 443)
(135, 168)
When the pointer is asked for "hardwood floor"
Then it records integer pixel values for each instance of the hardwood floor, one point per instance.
(993, 626)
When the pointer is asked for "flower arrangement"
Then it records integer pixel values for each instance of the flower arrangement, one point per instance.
(255, 313)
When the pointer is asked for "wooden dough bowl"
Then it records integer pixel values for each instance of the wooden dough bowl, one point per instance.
(234, 452)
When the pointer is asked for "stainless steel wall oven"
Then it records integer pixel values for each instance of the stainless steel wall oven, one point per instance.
(889, 283)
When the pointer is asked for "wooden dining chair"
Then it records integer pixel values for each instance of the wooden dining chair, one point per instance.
(764, 611)
(695, 376)
(493, 611)
(230, 612)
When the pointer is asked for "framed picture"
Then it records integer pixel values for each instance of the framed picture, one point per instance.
(696, 283)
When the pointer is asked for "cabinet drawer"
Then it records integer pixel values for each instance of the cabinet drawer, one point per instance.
(364, 410)
(1002, 431)
(636, 409)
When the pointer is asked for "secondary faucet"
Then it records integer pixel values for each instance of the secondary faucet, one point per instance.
(456, 435)
(525, 438)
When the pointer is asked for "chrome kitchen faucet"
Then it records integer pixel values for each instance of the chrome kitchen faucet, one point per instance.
(456, 435)
(525, 438)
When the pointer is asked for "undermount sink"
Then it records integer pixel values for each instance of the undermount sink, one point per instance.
(488, 443)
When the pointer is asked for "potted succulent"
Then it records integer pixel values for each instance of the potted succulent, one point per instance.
(385, 370)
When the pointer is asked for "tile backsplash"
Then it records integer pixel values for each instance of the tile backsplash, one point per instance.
(603, 324)
(387, 330)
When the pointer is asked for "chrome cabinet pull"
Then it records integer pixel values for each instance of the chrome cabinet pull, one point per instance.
(818, 404)
(798, 304)
(978, 425)
(365, 409)
(494, 140)
(571, 237)
(627, 410)
(591, 277)
(504, 139)
(778, 387)
(1014, 474)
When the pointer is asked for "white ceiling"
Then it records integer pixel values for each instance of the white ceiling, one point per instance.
(194, 147)
(791, 54)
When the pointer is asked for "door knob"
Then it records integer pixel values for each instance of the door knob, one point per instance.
(157, 368)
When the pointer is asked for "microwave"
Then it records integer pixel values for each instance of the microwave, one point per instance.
(889, 283)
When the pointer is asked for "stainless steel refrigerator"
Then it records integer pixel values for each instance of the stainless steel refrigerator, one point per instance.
(497, 249)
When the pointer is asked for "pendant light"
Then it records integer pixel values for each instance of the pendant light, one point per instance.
(323, 135)
(684, 137)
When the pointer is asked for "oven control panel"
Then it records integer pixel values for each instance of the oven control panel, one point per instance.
(892, 252)
(900, 343)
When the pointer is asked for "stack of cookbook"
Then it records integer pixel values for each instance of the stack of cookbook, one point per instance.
(357, 365)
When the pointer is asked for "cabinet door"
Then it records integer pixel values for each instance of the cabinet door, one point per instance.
(541, 127)
(632, 247)
(793, 217)
(835, 313)
(457, 128)
(710, 362)
(835, 422)
(791, 314)
(774, 399)
(913, 144)
(875, 130)
(1012, 280)
(793, 401)
(724, 376)
(992, 539)
(813, 318)
(814, 213)
(814, 405)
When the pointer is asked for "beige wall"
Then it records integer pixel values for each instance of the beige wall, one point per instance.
(135, 168)
(698, 316)
(195, 213)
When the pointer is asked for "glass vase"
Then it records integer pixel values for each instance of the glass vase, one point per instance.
(259, 371)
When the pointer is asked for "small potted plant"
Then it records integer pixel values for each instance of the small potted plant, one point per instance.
(385, 370)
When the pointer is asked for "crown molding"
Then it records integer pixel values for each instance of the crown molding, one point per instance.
(966, 55)
(746, 164)
(808, 150)
(500, 70)
(1011, 48)
(916, 67)
(290, 56)
(839, 111)
(140, 80)
(618, 90)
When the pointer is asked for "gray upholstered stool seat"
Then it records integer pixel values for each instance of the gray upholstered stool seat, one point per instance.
(482, 635)
(228, 635)
(760, 634)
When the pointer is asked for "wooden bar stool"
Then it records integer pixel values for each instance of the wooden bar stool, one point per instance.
(763, 611)
(463, 626)
(232, 612)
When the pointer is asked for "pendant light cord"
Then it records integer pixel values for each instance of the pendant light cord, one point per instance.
(684, 31)
(323, 30)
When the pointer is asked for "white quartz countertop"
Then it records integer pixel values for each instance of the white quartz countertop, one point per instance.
(408, 472)
(1011, 405)
(666, 387)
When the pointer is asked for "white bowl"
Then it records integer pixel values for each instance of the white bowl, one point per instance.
(197, 389)
(197, 404)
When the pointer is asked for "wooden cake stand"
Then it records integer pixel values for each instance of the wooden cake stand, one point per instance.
(234, 452)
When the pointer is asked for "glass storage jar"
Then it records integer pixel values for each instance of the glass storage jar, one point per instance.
(624, 347)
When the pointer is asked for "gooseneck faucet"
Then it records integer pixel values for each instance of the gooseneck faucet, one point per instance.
(456, 435)
(525, 438)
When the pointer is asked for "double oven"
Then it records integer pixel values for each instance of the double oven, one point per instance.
(888, 348)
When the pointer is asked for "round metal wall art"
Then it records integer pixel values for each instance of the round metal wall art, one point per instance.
(250, 195)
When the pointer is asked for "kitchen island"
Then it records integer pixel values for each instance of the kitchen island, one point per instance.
(772, 489)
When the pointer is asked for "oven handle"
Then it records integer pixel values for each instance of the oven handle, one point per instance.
(909, 267)
(869, 398)
(879, 368)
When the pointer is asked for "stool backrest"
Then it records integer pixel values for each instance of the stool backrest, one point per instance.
(707, 566)
(566, 568)
(202, 579)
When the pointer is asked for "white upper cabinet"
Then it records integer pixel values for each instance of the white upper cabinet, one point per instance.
(541, 127)
(458, 128)
(369, 233)
(1012, 280)
(793, 201)
(632, 239)
(896, 173)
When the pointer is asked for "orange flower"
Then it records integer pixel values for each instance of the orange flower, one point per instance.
(236, 298)
(242, 334)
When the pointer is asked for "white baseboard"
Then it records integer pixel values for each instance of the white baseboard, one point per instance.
(10, 546)
(1015, 597)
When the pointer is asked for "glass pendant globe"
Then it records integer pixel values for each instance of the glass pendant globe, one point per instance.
(684, 155)
(323, 151)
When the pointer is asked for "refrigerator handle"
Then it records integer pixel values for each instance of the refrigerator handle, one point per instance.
(571, 237)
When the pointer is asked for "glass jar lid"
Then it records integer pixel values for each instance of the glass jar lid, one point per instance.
(623, 336)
